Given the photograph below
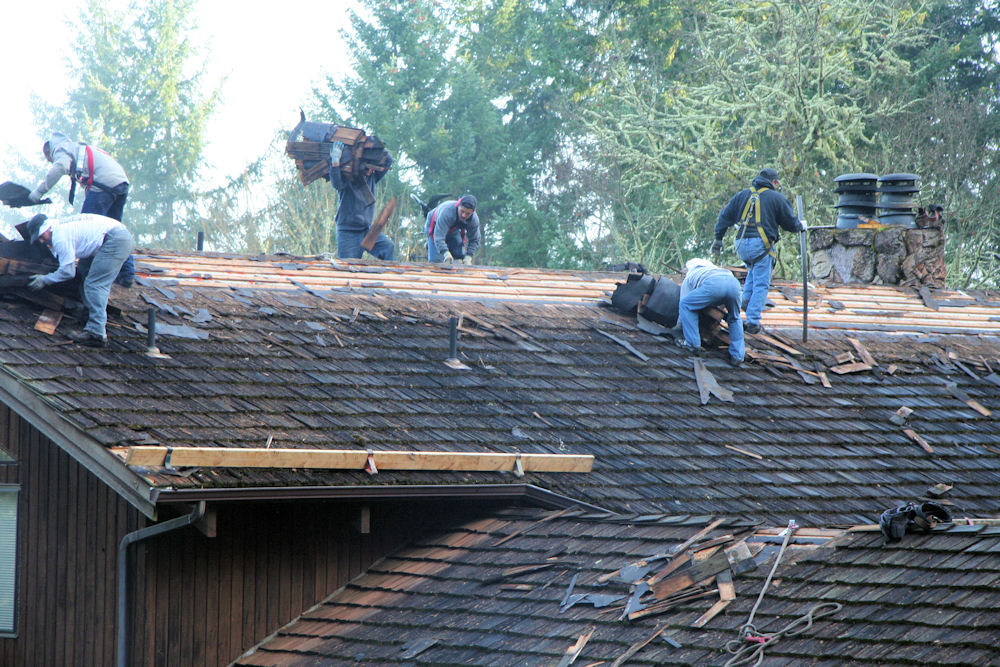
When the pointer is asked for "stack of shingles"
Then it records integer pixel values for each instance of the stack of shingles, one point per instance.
(322, 143)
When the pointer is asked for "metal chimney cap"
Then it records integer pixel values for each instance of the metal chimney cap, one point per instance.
(856, 177)
(898, 177)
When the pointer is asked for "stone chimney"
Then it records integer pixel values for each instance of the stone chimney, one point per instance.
(889, 255)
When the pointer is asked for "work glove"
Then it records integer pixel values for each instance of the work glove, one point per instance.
(37, 282)
(446, 258)
(803, 226)
(34, 196)
(467, 260)
(717, 247)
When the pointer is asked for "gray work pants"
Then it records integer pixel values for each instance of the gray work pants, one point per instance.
(117, 246)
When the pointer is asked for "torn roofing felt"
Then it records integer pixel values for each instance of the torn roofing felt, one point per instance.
(495, 591)
(260, 354)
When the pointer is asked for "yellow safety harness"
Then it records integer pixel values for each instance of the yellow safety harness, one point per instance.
(754, 201)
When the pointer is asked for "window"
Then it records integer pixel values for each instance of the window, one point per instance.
(8, 559)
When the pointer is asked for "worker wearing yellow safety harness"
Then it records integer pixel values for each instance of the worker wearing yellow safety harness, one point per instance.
(758, 211)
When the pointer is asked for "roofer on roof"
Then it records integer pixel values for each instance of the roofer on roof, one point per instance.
(105, 181)
(453, 231)
(759, 210)
(84, 236)
(354, 216)
(706, 285)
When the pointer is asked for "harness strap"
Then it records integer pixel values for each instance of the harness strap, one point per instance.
(90, 167)
(754, 201)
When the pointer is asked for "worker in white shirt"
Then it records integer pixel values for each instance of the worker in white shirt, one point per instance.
(84, 236)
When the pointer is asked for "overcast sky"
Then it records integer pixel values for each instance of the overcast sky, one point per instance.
(270, 52)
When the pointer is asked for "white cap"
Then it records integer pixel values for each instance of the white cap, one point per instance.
(695, 262)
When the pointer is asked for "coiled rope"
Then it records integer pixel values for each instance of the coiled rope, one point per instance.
(750, 645)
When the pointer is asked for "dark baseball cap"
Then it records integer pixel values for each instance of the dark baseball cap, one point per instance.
(769, 173)
(468, 201)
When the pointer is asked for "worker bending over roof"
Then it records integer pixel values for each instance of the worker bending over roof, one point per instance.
(453, 231)
(84, 236)
(706, 285)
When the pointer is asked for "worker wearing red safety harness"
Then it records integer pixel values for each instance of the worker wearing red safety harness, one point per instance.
(453, 231)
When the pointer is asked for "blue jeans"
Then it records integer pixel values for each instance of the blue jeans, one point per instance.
(717, 290)
(455, 247)
(117, 246)
(349, 245)
(112, 205)
(758, 279)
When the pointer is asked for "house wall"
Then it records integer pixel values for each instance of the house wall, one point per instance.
(69, 526)
(196, 600)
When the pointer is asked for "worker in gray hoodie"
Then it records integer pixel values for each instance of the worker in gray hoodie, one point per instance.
(453, 231)
(706, 285)
(105, 181)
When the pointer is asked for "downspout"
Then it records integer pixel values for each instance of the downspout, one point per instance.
(132, 538)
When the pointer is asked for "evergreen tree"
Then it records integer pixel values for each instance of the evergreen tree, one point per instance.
(138, 95)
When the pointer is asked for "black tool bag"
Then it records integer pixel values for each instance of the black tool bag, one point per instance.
(661, 306)
(627, 295)
(910, 518)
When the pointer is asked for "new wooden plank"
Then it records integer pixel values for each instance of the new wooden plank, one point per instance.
(189, 457)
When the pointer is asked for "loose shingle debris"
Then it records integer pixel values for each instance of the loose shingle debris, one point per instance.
(176, 330)
(416, 647)
(574, 651)
(900, 416)
(916, 437)
(968, 400)
(708, 385)
(623, 343)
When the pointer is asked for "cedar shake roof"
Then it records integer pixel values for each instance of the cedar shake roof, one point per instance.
(311, 353)
(457, 598)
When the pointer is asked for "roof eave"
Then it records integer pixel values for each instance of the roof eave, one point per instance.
(89, 453)
(526, 492)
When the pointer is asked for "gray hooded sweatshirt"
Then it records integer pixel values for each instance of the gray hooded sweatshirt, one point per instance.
(70, 157)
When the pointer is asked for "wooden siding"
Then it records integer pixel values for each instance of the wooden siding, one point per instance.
(195, 600)
(204, 601)
(69, 525)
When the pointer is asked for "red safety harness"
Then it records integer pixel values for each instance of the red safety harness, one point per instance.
(430, 230)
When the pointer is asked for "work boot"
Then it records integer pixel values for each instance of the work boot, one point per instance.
(750, 327)
(696, 351)
(87, 338)
(735, 363)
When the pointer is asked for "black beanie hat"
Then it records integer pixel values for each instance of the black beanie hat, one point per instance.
(468, 201)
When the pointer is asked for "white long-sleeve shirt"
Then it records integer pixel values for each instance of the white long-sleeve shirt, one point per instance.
(76, 237)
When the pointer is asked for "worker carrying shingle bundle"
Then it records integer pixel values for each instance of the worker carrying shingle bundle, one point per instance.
(106, 242)
(706, 285)
(453, 231)
(105, 181)
(758, 210)
(356, 201)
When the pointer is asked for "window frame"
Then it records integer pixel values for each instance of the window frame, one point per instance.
(15, 491)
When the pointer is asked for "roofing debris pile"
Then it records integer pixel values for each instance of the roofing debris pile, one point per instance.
(700, 568)
(19, 260)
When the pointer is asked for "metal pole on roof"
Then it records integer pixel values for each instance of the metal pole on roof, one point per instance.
(201, 241)
(804, 248)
